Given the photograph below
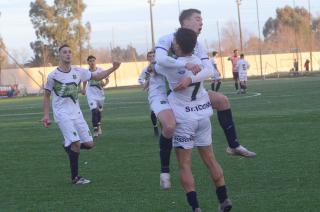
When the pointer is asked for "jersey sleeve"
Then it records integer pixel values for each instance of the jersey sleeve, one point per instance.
(50, 83)
(85, 74)
(162, 50)
(142, 77)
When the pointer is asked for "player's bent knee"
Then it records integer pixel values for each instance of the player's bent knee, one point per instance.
(219, 101)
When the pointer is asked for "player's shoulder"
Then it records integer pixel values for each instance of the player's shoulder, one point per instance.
(165, 41)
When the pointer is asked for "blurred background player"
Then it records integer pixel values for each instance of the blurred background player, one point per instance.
(216, 78)
(144, 82)
(242, 67)
(192, 110)
(94, 91)
(63, 84)
(234, 59)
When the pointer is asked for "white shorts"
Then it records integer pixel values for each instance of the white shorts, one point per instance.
(216, 76)
(193, 133)
(94, 103)
(243, 76)
(75, 130)
(159, 103)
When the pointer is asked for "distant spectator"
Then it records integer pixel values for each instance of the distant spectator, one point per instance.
(295, 67)
(307, 64)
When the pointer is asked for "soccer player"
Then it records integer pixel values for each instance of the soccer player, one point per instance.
(64, 84)
(144, 82)
(95, 96)
(234, 59)
(192, 110)
(190, 19)
(216, 78)
(242, 67)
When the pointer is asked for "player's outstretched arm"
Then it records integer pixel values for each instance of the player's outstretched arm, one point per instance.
(104, 74)
(46, 109)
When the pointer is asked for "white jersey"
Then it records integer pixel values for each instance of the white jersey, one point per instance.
(165, 55)
(144, 76)
(94, 90)
(216, 75)
(242, 67)
(64, 88)
(157, 86)
(192, 103)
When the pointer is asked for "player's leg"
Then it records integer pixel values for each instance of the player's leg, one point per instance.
(204, 143)
(100, 107)
(212, 85)
(83, 130)
(183, 144)
(218, 85)
(154, 121)
(221, 103)
(94, 116)
(235, 78)
(168, 124)
(72, 148)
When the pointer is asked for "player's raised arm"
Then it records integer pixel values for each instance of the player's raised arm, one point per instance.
(104, 74)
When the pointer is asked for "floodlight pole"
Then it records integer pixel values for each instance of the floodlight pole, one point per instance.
(310, 20)
(79, 28)
(151, 4)
(260, 48)
(179, 6)
(239, 21)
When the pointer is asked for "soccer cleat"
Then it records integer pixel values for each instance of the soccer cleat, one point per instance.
(242, 151)
(95, 132)
(197, 210)
(156, 131)
(165, 180)
(226, 206)
(80, 181)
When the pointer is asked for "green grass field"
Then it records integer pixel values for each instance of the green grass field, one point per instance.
(281, 125)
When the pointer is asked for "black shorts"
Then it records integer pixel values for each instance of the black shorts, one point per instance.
(235, 75)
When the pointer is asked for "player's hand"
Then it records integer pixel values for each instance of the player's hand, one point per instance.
(115, 65)
(195, 68)
(183, 84)
(146, 86)
(46, 121)
(83, 91)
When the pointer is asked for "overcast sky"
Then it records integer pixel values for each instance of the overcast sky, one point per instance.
(128, 22)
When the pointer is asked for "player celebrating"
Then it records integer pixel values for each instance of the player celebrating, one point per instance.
(216, 78)
(95, 96)
(192, 110)
(190, 19)
(242, 67)
(144, 82)
(64, 84)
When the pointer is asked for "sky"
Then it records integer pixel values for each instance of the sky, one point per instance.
(123, 22)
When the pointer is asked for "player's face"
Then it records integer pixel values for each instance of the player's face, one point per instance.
(65, 55)
(92, 64)
(150, 57)
(194, 22)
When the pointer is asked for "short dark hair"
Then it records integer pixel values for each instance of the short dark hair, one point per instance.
(235, 50)
(91, 57)
(64, 45)
(150, 52)
(186, 39)
(241, 55)
(214, 53)
(185, 14)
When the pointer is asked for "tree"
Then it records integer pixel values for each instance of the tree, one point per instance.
(56, 25)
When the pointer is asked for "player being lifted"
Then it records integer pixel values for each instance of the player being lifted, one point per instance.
(95, 96)
(192, 110)
(64, 85)
(216, 78)
(144, 82)
(190, 19)
(242, 66)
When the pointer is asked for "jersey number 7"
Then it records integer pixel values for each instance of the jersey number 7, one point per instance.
(195, 91)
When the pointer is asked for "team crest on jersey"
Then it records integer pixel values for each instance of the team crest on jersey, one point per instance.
(66, 90)
(74, 76)
(74, 133)
(163, 102)
(182, 71)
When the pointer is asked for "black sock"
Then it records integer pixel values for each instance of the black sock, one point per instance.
(192, 199)
(99, 116)
(165, 151)
(212, 86)
(95, 117)
(222, 193)
(218, 86)
(236, 85)
(73, 159)
(226, 122)
(153, 119)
